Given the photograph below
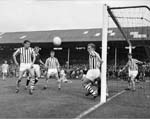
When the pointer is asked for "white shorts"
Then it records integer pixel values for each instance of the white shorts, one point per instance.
(36, 68)
(133, 74)
(4, 71)
(93, 74)
(52, 72)
(25, 66)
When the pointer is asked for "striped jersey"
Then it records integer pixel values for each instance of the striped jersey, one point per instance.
(52, 63)
(132, 64)
(25, 54)
(94, 61)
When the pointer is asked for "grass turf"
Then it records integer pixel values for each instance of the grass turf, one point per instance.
(128, 105)
(66, 103)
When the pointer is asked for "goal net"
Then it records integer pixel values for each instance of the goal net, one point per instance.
(133, 22)
(130, 25)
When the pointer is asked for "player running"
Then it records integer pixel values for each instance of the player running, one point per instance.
(5, 68)
(53, 67)
(26, 63)
(94, 71)
(36, 67)
(132, 71)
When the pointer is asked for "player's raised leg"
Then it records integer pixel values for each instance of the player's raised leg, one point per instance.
(37, 63)
(93, 72)
(87, 84)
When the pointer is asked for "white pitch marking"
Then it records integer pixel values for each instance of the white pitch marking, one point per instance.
(97, 105)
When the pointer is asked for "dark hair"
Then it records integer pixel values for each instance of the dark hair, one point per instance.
(92, 45)
(52, 51)
(26, 41)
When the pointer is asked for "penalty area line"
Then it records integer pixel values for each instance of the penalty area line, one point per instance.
(97, 105)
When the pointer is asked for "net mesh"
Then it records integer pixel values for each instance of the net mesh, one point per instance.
(135, 22)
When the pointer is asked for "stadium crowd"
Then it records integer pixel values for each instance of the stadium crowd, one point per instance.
(75, 71)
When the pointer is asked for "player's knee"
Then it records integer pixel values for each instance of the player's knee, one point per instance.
(89, 83)
(85, 81)
(83, 77)
(132, 79)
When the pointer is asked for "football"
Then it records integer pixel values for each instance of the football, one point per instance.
(57, 41)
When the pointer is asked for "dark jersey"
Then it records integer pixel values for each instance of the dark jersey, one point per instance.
(85, 71)
(37, 60)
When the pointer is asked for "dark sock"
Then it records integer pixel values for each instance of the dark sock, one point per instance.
(18, 81)
(35, 81)
(27, 83)
(89, 88)
(99, 87)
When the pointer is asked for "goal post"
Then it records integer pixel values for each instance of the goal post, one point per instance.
(104, 55)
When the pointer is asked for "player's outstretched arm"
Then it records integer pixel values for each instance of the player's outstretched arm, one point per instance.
(137, 61)
(99, 58)
(42, 62)
(124, 67)
(14, 56)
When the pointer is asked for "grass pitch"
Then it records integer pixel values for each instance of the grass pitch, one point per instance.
(70, 101)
